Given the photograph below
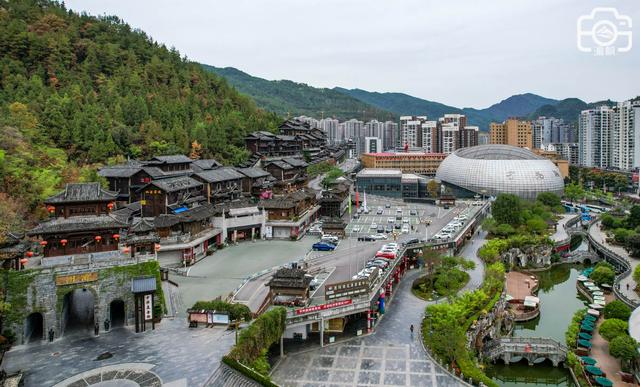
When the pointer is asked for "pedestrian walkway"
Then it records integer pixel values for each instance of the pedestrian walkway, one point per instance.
(627, 285)
(561, 234)
(600, 351)
(391, 356)
(178, 355)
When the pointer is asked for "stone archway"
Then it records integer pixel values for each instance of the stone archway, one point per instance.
(117, 313)
(78, 311)
(34, 328)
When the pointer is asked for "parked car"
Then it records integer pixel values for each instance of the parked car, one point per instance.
(413, 212)
(379, 236)
(392, 244)
(356, 216)
(366, 211)
(324, 246)
(387, 206)
(366, 238)
(373, 226)
(405, 229)
(385, 254)
(390, 220)
(329, 238)
(380, 229)
(379, 212)
(411, 241)
(356, 228)
(397, 226)
(389, 228)
(405, 220)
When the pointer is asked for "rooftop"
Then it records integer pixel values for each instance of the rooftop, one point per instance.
(496, 152)
(220, 174)
(379, 172)
(77, 223)
(290, 278)
(172, 159)
(177, 183)
(82, 192)
(405, 154)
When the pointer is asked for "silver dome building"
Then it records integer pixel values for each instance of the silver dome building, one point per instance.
(494, 169)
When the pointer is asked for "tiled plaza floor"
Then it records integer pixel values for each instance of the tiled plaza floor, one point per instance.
(179, 355)
(392, 356)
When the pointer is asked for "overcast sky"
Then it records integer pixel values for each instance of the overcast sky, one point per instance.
(465, 53)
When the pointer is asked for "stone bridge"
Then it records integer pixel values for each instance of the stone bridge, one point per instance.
(534, 349)
(581, 256)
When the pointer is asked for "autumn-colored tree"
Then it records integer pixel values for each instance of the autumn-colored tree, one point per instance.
(196, 150)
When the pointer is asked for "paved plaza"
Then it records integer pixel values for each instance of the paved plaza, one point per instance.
(175, 354)
(391, 356)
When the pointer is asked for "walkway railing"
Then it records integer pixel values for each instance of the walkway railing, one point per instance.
(540, 346)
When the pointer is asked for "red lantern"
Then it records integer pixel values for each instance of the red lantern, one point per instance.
(51, 209)
(63, 242)
(116, 236)
(24, 261)
(157, 246)
(126, 250)
(110, 206)
(43, 243)
(98, 238)
(29, 254)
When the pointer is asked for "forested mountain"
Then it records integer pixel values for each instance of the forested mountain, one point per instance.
(520, 105)
(290, 98)
(568, 109)
(77, 89)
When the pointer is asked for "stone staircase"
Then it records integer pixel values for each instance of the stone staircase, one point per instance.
(226, 376)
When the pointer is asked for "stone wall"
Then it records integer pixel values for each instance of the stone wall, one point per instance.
(35, 290)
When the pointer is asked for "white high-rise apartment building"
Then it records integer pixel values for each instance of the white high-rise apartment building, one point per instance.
(410, 130)
(429, 137)
(313, 123)
(449, 135)
(330, 127)
(625, 136)
(374, 128)
(594, 135)
(549, 130)
(390, 135)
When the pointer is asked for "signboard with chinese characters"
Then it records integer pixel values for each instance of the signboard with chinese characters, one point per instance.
(318, 308)
(72, 279)
(148, 307)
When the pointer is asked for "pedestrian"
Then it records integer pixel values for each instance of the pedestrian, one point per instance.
(51, 334)
(107, 323)
(411, 328)
(627, 286)
(96, 329)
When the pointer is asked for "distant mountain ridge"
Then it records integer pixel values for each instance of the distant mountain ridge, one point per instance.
(291, 98)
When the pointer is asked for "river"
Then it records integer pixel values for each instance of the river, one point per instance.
(559, 300)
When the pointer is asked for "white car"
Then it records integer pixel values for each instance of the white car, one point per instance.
(329, 238)
(373, 226)
(356, 228)
(392, 244)
(378, 236)
(405, 229)
(405, 220)
(391, 220)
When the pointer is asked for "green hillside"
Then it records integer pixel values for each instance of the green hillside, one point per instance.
(291, 98)
(77, 89)
(520, 105)
(568, 109)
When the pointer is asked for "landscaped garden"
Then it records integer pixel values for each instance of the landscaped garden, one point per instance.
(444, 276)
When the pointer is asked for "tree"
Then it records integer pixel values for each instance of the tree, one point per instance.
(617, 309)
(433, 188)
(504, 230)
(633, 219)
(612, 328)
(536, 225)
(603, 275)
(574, 192)
(549, 199)
(633, 244)
(507, 208)
(636, 274)
(196, 150)
(624, 347)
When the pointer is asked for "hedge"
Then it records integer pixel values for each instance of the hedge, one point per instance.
(571, 335)
(236, 311)
(248, 372)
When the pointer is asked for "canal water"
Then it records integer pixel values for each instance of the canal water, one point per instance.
(559, 300)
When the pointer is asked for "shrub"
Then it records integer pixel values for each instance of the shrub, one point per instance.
(236, 311)
(621, 234)
(549, 199)
(612, 328)
(636, 274)
(617, 309)
(624, 347)
(571, 335)
(602, 275)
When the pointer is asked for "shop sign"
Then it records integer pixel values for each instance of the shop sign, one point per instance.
(72, 279)
(318, 308)
(148, 307)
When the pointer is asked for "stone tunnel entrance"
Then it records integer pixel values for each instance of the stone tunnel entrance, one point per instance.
(117, 313)
(34, 328)
(78, 312)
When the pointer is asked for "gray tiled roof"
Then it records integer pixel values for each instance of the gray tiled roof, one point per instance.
(119, 171)
(295, 161)
(77, 223)
(290, 278)
(253, 172)
(82, 192)
(143, 284)
(172, 159)
(205, 164)
(220, 174)
(173, 184)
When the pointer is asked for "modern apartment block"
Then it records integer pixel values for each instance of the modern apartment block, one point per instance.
(372, 145)
(513, 132)
(430, 137)
(390, 135)
(625, 136)
(469, 136)
(594, 134)
(568, 151)
(330, 127)
(411, 131)
(449, 137)
(549, 130)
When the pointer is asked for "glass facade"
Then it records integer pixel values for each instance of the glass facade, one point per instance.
(494, 169)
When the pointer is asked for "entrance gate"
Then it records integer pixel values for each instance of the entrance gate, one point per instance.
(117, 313)
(78, 311)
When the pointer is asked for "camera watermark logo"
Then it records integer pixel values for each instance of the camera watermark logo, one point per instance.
(604, 32)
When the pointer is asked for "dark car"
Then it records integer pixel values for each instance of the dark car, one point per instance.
(387, 206)
(380, 229)
(397, 226)
(389, 228)
(411, 241)
(324, 246)
(413, 212)
(366, 238)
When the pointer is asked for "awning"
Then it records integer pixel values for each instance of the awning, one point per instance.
(597, 293)
(589, 317)
(593, 312)
(593, 288)
(582, 278)
(596, 306)
(593, 370)
(529, 303)
(586, 328)
(600, 302)
(584, 343)
(533, 299)
(588, 360)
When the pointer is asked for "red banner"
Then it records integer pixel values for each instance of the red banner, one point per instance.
(318, 308)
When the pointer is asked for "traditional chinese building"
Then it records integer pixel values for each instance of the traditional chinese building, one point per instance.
(268, 144)
(289, 215)
(256, 182)
(221, 184)
(170, 195)
(289, 287)
(81, 221)
(290, 172)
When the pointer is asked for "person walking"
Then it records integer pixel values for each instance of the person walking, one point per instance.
(411, 329)
(96, 329)
(51, 335)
